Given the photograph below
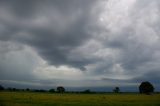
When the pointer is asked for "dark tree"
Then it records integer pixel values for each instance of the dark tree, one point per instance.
(27, 89)
(1, 87)
(52, 90)
(9, 89)
(146, 87)
(60, 89)
(87, 91)
(116, 89)
(14, 89)
(39, 90)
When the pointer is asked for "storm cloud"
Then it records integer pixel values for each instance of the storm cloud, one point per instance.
(78, 43)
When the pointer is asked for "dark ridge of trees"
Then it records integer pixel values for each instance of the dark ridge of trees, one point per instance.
(146, 87)
(1, 87)
(52, 90)
(39, 90)
(27, 89)
(87, 91)
(116, 90)
(60, 89)
(12, 89)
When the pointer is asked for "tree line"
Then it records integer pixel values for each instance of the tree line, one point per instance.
(59, 89)
(144, 88)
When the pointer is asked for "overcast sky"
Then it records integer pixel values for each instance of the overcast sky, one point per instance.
(79, 43)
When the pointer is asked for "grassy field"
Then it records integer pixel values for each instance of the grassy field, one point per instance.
(49, 99)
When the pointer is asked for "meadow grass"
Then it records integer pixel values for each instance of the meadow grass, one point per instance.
(69, 99)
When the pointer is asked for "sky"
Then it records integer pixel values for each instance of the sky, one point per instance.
(79, 43)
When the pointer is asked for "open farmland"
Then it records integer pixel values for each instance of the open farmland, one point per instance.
(54, 99)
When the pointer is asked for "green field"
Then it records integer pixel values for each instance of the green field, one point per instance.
(49, 99)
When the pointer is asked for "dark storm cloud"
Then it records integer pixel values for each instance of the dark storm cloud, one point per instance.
(65, 27)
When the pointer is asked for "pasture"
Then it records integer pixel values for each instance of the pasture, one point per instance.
(69, 99)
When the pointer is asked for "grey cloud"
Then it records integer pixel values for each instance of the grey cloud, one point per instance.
(51, 43)
(61, 33)
(16, 61)
(137, 47)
